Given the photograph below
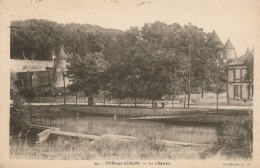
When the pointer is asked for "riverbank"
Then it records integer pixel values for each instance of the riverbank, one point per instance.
(203, 115)
(146, 146)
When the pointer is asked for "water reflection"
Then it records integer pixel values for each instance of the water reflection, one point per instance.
(125, 126)
(29, 139)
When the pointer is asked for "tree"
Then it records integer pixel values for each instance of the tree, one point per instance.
(147, 62)
(38, 39)
(249, 63)
(84, 73)
(191, 41)
(13, 89)
(249, 76)
(18, 113)
(126, 63)
(154, 76)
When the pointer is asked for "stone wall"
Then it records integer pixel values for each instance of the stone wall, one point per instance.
(41, 78)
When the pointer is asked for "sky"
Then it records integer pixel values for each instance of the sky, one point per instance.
(231, 19)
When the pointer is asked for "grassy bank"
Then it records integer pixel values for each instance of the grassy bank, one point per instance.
(106, 148)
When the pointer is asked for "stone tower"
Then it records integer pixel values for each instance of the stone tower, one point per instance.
(229, 51)
(60, 68)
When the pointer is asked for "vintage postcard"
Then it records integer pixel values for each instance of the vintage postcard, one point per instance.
(129, 83)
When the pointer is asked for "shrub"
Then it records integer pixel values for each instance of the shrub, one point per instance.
(46, 91)
(18, 113)
(28, 93)
(18, 118)
(235, 139)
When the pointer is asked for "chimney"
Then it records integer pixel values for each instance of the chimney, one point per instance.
(62, 47)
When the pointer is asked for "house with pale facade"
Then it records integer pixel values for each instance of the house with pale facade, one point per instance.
(238, 86)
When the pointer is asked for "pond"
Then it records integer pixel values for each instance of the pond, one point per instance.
(100, 125)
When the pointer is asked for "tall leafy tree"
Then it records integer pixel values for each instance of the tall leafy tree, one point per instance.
(249, 76)
(155, 74)
(38, 39)
(84, 73)
(249, 63)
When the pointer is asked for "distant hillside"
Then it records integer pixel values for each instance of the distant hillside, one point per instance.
(38, 39)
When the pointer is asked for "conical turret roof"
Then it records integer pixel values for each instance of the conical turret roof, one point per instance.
(61, 56)
(214, 40)
(229, 45)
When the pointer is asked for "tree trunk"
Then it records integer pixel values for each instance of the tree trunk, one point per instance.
(104, 99)
(120, 102)
(90, 100)
(24, 56)
(64, 91)
(76, 98)
(202, 88)
(172, 99)
(189, 99)
(185, 100)
(135, 95)
(152, 103)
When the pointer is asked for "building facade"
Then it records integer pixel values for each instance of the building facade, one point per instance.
(238, 87)
(32, 73)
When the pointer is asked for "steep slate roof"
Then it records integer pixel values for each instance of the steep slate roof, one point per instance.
(229, 45)
(61, 56)
(29, 65)
(214, 39)
(240, 60)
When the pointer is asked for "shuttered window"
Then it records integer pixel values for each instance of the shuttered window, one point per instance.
(236, 91)
(241, 91)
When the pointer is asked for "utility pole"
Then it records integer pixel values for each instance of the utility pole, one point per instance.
(64, 93)
(76, 95)
(28, 93)
(28, 79)
(217, 80)
(189, 79)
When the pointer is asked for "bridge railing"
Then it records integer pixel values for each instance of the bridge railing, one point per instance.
(44, 121)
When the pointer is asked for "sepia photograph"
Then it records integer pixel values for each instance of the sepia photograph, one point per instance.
(130, 83)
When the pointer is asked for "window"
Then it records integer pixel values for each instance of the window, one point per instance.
(241, 92)
(250, 91)
(231, 75)
(237, 74)
(243, 74)
(236, 91)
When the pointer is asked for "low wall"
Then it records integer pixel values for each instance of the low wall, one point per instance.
(43, 135)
